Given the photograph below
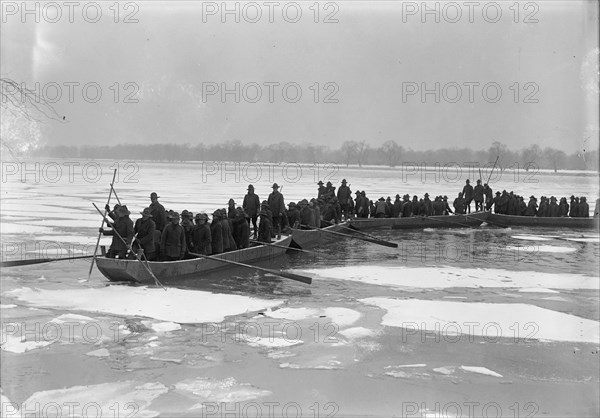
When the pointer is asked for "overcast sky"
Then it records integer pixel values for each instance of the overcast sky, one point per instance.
(374, 57)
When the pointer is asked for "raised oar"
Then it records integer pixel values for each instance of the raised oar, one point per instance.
(14, 263)
(490, 176)
(290, 276)
(156, 281)
(102, 224)
(284, 247)
(374, 241)
(115, 192)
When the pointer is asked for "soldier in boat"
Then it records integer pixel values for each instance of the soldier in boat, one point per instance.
(553, 209)
(187, 224)
(216, 233)
(315, 205)
(344, 196)
(447, 209)
(459, 204)
(306, 214)
(226, 225)
(277, 207)
(144, 230)
(173, 246)
(513, 204)
(428, 208)
(522, 206)
(397, 207)
(201, 236)
(415, 206)
(406, 206)
(438, 206)
(563, 207)
(231, 210)
(265, 227)
(322, 190)
(241, 229)
(489, 196)
(330, 189)
(496, 203)
(543, 208)
(468, 195)
(478, 192)
(123, 225)
(574, 209)
(158, 212)
(251, 206)
(293, 214)
(531, 206)
(584, 208)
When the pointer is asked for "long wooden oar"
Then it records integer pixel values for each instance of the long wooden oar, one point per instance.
(374, 241)
(14, 263)
(491, 172)
(115, 192)
(284, 247)
(156, 281)
(290, 276)
(354, 230)
(102, 224)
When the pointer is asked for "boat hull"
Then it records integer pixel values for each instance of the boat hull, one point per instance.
(173, 271)
(472, 220)
(551, 222)
(306, 238)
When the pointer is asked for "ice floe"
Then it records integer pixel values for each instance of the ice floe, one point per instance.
(173, 305)
(541, 248)
(162, 326)
(357, 333)
(18, 345)
(446, 276)
(340, 316)
(101, 352)
(105, 399)
(531, 237)
(272, 342)
(227, 390)
(480, 370)
(488, 320)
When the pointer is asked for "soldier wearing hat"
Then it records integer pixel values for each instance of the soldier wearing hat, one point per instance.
(447, 209)
(201, 236)
(459, 204)
(123, 225)
(553, 208)
(241, 229)
(251, 206)
(293, 215)
(231, 211)
(187, 224)
(573, 207)
(216, 233)
(322, 190)
(563, 207)
(488, 196)
(172, 242)
(531, 206)
(144, 230)
(158, 212)
(468, 195)
(478, 191)
(397, 207)
(277, 206)
(584, 208)
(265, 227)
(227, 227)
(344, 197)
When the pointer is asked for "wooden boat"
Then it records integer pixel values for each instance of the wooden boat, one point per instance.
(305, 238)
(172, 271)
(472, 220)
(504, 221)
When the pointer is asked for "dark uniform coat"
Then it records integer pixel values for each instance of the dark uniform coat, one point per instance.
(173, 241)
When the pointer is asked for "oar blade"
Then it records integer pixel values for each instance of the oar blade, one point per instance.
(291, 276)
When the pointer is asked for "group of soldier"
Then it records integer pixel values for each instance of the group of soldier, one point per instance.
(161, 235)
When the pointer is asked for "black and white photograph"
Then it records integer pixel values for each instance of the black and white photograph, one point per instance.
(303, 208)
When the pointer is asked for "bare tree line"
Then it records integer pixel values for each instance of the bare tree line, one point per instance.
(390, 154)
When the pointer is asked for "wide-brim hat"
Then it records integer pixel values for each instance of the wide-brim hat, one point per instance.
(532, 197)
(291, 204)
(498, 193)
(122, 210)
(357, 192)
(320, 183)
(343, 181)
(329, 183)
(250, 187)
(153, 194)
(426, 194)
(275, 186)
(146, 213)
(231, 201)
(175, 215)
